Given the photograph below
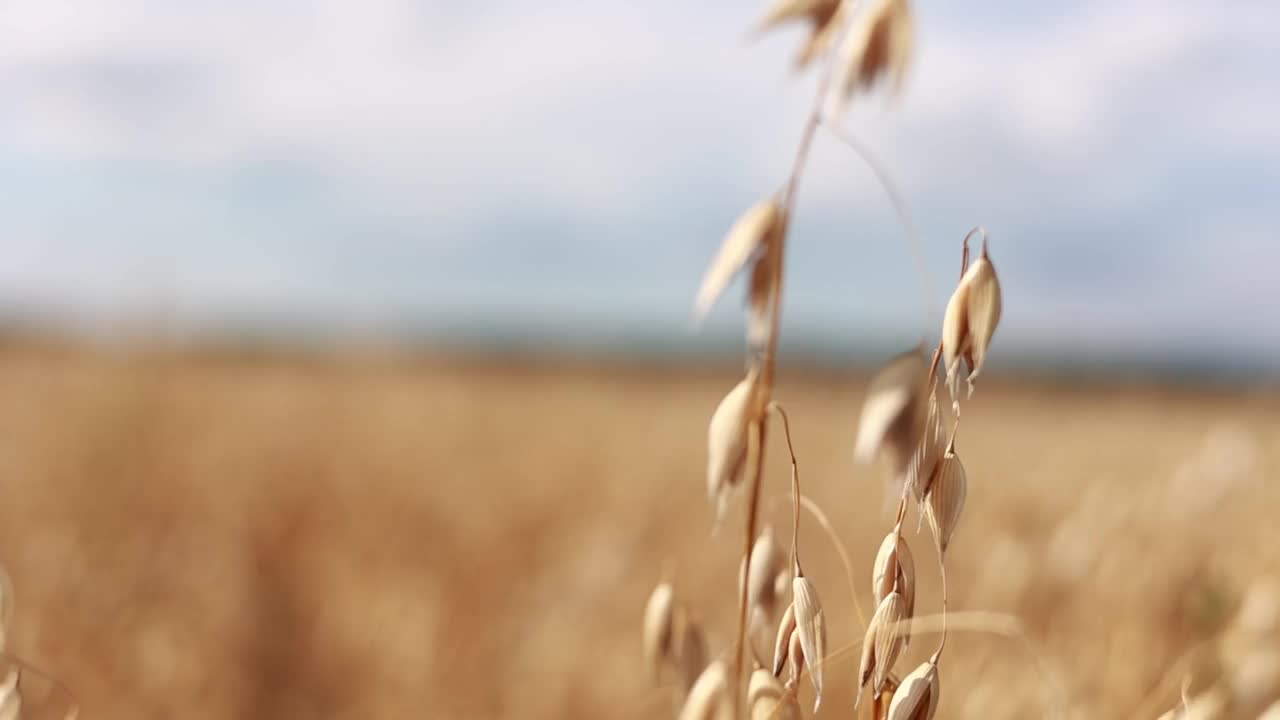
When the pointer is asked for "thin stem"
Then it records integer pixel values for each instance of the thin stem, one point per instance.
(899, 207)
(770, 359)
(821, 517)
(795, 491)
(942, 570)
(753, 507)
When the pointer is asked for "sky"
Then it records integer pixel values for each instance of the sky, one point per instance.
(392, 167)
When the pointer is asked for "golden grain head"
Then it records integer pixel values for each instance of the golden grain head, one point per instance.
(880, 705)
(894, 569)
(944, 503)
(751, 232)
(692, 654)
(767, 699)
(659, 629)
(781, 643)
(795, 657)
(811, 626)
(878, 45)
(825, 18)
(886, 635)
(970, 322)
(10, 698)
(708, 698)
(766, 576)
(917, 696)
(826, 27)
(894, 411)
(728, 442)
(928, 451)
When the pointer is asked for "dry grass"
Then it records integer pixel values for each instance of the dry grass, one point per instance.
(216, 538)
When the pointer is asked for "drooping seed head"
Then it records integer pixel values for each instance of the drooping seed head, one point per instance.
(766, 576)
(692, 654)
(659, 629)
(743, 243)
(970, 322)
(944, 502)
(878, 45)
(728, 439)
(782, 642)
(917, 697)
(708, 698)
(894, 411)
(768, 700)
(886, 635)
(795, 657)
(880, 705)
(811, 626)
(894, 569)
(825, 18)
(10, 697)
(928, 452)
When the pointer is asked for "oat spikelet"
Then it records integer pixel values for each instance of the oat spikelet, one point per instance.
(766, 576)
(886, 635)
(917, 696)
(782, 642)
(728, 441)
(708, 699)
(894, 411)
(879, 44)
(825, 18)
(894, 564)
(970, 322)
(659, 629)
(743, 242)
(945, 500)
(795, 657)
(811, 626)
(928, 452)
(880, 705)
(768, 700)
(10, 699)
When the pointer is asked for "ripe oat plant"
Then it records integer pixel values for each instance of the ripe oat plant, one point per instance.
(903, 426)
(26, 692)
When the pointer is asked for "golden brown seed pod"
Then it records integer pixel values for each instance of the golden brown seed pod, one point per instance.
(879, 44)
(659, 629)
(970, 322)
(728, 441)
(944, 502)
(928, 452)
(795, 657)
(886, 635)
(692, 654)
(811, 626)
(917, 696)
(825, 18)
(894, 411)
(781, 643)
(10, 697)
(752, 231)
(880, 705)
(768, 700)
(766, 576)
(708, 699)
(894, 569)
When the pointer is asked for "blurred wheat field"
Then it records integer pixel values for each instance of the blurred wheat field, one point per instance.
(211, 536)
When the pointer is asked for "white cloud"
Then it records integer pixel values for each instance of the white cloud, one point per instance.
(439, 118)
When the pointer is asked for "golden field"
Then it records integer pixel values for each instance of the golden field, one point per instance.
(222, 536)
